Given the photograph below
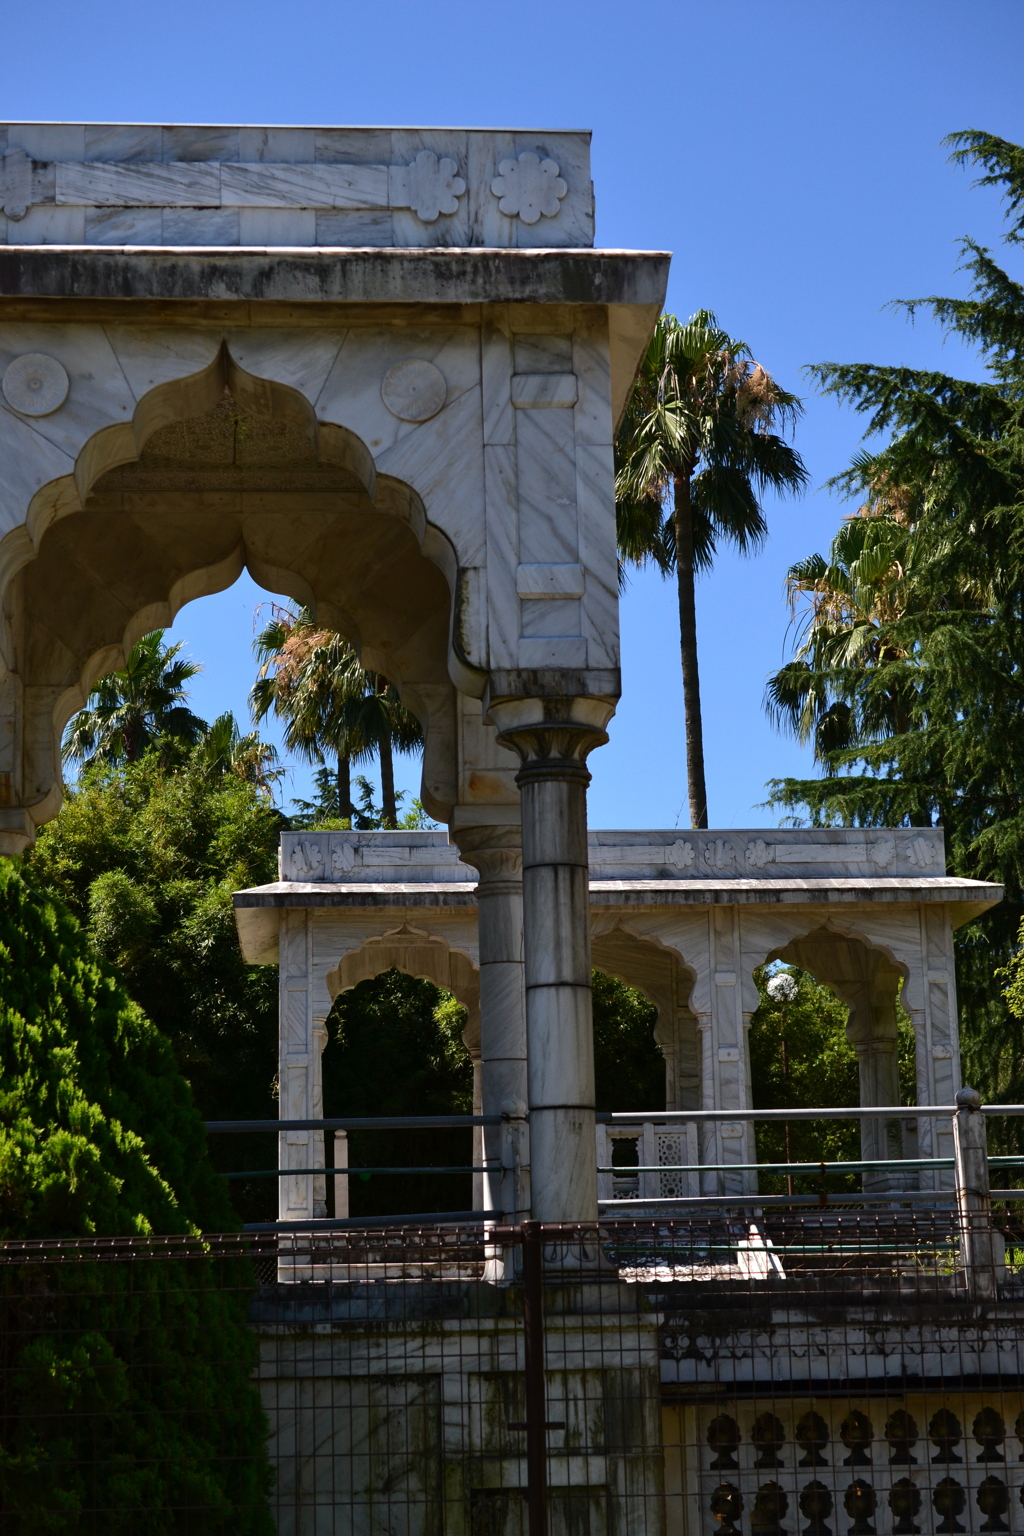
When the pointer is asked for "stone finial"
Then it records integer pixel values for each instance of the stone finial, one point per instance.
(968, 1098)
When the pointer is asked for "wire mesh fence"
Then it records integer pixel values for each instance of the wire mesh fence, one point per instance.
(757, 1373)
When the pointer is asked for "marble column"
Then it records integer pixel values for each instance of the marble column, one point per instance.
(496, 853)
(553, 783)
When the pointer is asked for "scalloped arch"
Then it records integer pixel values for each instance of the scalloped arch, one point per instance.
(54, 678)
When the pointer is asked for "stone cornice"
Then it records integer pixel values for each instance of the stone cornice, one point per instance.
(326, 275)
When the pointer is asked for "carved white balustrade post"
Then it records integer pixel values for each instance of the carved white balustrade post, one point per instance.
(982, 1248)
(496, 853)
(553, 783)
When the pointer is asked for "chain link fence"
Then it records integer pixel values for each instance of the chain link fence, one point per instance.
(774, 1373)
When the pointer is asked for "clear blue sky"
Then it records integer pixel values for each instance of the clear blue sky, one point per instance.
(787, 151)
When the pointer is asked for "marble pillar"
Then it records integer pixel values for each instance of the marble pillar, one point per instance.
(553, 783)
(496, 853)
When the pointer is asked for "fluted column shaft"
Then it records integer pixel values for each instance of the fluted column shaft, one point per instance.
(556, 945)
(496, 854)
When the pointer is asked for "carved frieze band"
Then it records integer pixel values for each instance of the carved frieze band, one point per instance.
(528, 188)
(739, 856)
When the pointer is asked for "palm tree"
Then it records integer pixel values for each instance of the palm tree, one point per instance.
(222, 750)
(128, 711)
(312, 679)
(852, 677)
(700, 430)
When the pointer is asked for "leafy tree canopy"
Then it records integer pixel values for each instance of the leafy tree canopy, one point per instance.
(908, 675)
(146, 856)
(100, 1135)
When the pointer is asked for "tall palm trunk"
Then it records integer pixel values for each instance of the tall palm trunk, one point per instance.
(387, 780)
(343, 779)
(682, 517)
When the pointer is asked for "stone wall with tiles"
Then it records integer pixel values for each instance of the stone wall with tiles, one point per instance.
(125, 184)
(884, 1407)
(893, 1463)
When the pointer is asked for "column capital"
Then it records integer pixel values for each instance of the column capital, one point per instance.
(552, 737)
(495, 852)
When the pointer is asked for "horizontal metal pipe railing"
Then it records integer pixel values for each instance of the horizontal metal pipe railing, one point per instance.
(623, 1119)
(606, 1117)
(341, 1223)
(350, 1123)
(867, 1112)
(890, 1197)
(286, 1173)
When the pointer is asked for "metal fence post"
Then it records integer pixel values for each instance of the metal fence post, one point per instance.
(982, 1247)
(536, 1395)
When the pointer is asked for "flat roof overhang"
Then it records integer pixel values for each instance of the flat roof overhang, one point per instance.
(247, 285)
(257, 910)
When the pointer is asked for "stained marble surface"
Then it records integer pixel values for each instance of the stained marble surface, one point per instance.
(409, 186)
(914, 854)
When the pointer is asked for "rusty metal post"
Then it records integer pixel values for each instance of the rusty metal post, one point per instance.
(536, 1395)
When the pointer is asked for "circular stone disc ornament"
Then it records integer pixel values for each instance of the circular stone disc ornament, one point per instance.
(35, 385)
(414, 390)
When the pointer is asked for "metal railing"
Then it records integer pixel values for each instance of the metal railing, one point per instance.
(965, 1174)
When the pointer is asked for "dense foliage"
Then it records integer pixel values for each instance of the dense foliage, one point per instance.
(99, 1134)
(146, 855)
(909, 672)
(395, 1048)
(629, 1069)
(147, 859)
(99, 1131)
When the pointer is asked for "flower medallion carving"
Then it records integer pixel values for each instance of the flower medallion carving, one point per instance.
(429, 186)
(681, 854)
(883, 852)
(530, 187)
(307, 860)
(343, 859)
(719, 854)
(921, 852)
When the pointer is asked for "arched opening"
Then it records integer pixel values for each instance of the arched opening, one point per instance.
(836, 1037)
(218, 473)
(658, 1045)
(660, 975)
(403, 1038)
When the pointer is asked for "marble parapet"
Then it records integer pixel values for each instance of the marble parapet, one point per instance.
(402, 871)
(182, 184)
(701, 858)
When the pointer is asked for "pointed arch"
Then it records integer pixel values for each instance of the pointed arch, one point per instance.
(146, 518)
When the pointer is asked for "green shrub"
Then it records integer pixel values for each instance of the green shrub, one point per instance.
(127, 1391)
